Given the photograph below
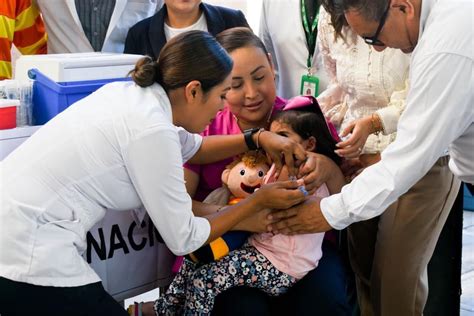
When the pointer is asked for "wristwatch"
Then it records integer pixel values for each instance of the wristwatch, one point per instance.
(248, 133)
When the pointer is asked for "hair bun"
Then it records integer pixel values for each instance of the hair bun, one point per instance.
(145, 71)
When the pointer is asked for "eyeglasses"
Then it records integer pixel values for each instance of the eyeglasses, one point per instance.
(373, 40)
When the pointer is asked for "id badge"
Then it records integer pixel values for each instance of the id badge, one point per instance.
(309, 85)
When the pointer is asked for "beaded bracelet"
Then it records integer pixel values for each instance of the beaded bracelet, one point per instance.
(375, 127)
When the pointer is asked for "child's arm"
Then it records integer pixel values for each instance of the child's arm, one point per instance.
(336, 182)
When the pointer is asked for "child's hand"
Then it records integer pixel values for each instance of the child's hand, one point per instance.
(360, 130)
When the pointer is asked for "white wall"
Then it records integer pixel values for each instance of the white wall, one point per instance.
(251, 9)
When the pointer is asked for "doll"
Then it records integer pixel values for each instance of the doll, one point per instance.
(240, 179)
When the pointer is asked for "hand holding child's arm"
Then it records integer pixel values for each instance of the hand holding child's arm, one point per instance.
(319, 169)
(282, 150)
(256, 223)
(304, 218)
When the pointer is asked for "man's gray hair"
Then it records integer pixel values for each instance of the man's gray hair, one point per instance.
(369, 9)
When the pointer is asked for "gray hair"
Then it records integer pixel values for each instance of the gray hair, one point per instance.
(369, 9)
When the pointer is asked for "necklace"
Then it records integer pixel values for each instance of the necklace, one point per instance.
(267, 121)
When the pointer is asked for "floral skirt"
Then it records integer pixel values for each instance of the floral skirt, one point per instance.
(196, 286)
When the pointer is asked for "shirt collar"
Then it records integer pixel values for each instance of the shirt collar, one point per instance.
(163, 100)
(426, 7)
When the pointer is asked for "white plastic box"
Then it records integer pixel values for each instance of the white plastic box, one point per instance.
(62, 79)
(77, 67)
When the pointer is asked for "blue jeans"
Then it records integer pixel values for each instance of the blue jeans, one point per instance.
(323, 291)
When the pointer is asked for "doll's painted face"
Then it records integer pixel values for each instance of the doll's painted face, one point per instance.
(245, 177)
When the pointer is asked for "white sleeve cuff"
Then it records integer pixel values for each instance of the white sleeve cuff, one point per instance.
(200, 234)
(332, 208)
(389, 117)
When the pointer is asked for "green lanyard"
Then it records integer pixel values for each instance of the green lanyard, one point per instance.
(310, 33)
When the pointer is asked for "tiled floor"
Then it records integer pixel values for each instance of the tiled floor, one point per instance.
(467, 278)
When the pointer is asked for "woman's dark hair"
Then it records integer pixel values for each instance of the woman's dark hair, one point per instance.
(193, 55)
(371, 10)
(238, 37)
(307, 122)
(336, 12)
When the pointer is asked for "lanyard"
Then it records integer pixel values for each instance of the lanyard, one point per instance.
(310, 33)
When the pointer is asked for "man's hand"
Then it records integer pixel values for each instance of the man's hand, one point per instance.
(303, 218)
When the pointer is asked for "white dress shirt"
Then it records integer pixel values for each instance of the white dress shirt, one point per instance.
(116, 149)
(362, 81)
(439, 113)
(281, 30)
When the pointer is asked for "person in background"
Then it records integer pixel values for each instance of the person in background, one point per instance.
(149, 36)
(20, 25)
(438, 115)
(288, 28)
(120, 148)
(78, 26)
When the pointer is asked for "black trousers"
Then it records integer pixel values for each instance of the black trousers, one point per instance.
(444, 269)
(22, 299)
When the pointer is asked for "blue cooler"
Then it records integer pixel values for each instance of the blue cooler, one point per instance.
(62, 79)
(51, 98)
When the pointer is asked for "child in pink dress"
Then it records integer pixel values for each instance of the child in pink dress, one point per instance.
(271, 263)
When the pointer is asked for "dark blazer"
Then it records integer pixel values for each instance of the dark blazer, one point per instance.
(147, 37)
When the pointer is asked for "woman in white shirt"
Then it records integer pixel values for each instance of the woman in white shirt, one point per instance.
(120, 148)
(367, 88)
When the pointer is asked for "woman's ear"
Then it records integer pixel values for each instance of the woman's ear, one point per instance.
(192, 90)
(310, 144)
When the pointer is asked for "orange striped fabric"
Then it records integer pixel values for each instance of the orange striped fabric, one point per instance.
(21, 25)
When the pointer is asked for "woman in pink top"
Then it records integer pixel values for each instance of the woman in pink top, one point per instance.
(251, 102)
(271, 263)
